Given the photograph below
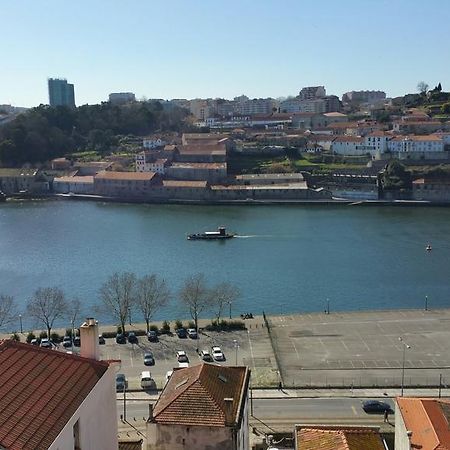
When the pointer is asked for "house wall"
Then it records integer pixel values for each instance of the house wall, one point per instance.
(64, 187)
(179, 437)
(432, 192)
(401, 436)
(195, 173)
(122, 188)
(97, 417)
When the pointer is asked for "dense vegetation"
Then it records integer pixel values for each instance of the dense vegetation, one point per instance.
(45, 132)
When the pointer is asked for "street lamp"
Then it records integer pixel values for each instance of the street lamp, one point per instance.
(229, 304)
(405, 346)
(426, 302)
(20, 320)
(236, 346)
(328, 306)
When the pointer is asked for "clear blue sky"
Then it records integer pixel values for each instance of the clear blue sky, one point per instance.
(199, 48)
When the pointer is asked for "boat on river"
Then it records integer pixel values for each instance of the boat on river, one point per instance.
(220, 234)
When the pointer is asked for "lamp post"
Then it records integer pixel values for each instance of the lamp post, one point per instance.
(426, 302)
(129, 315)
(405, 346)
(328, 306)
(236, 346)
(20, 320)
(229, 304)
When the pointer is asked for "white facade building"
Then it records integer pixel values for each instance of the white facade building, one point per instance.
(152, 143)
(416, 144)
(146, 162)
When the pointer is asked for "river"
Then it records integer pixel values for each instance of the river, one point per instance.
(287, 258)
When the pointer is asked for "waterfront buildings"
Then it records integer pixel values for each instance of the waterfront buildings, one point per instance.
(61, 93)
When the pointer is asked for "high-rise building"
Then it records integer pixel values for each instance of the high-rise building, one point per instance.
(312, 93)
(60, 93)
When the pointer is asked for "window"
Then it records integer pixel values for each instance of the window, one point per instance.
(76, 436)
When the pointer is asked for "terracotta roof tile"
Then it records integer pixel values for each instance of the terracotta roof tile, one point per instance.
(109, 175)
(40, 389)
(338, 438)
(198, 396)
(428, 419)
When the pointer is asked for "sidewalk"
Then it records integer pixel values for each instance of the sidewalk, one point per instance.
(313, 393)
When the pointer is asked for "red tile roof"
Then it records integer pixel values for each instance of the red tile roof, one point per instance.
(338, 438)
(40, 390)
(134, 176)
(203, 149)
(428, 420)
(206, 394)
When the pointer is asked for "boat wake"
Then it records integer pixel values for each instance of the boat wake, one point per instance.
(242, 236)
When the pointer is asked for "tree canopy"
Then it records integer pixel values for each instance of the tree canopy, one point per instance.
(46, 132)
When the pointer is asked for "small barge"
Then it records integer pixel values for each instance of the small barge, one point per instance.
(211, 235)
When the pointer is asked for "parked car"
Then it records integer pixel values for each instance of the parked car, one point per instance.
(206, 356)
(147, 382)
(67, 341)
(77, 341)
(182, 357)
(34, 342)
(132, 338)
(121, 338)
(181, 333)
(376, 406)
(192, 333)
(217, 354)
(101, 340)
(149, 359)
(121, 382)
(152, 336)
(46, 343)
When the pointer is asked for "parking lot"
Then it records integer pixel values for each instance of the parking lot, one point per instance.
(363, 348)
(249, 347)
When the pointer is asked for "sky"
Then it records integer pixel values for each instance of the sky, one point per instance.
(199, 49)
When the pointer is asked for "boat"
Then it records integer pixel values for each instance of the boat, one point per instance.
(211, 235)
(428, 248)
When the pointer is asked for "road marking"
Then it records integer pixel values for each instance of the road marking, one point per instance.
(295, 348)
(354, 410)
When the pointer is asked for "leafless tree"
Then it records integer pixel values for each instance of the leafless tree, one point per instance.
(7, 310)
(118, 296)
(47, 305)
(152, 293)
(74, 312)
(422, 87)
(196, 296)
(224, 294)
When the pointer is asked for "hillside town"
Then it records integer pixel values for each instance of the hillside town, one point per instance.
(311, 147)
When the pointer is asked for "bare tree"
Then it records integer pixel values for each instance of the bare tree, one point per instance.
(152, 294)
(73, 312)
(118, 295)
(47, 305)
(422, 87)
(196, 296)
(7, 310)
(224, 294)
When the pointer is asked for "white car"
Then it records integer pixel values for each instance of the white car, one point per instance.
(217, 354)
(182, 357)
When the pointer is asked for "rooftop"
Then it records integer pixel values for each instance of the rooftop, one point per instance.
(185, 184)
(40, 390)
(134, 176)
(206, 394)
(428, 420)
(338, 438)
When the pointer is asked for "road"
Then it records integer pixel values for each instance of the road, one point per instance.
(287, 411)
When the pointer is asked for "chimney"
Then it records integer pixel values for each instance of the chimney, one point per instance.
(150, 412)
(229, 410)
(89, 339)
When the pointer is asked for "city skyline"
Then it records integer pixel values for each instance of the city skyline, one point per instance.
(192, 50)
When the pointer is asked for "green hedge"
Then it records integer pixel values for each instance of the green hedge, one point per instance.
(226, 325)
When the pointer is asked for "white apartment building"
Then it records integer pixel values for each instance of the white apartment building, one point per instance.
(146, 162)
(378, 140)
(312, 92)
(416, 144)
(352, 146)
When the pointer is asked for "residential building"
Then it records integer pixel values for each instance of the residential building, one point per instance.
(256, 106)
(121, 98)
(55, 400)
(418, 126)
(61, 164)
(399, 145)
(202, 407)
(378, 140)
(351, 146)
(204, 153)
(125, 184)
(323, 141)
(199, 109)
(61, 93)
(312, 92)
(422, 423)
(314, 437)
(358, 97)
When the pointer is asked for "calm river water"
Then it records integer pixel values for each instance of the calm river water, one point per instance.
(287, 258)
